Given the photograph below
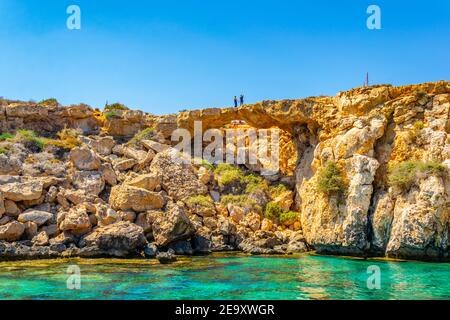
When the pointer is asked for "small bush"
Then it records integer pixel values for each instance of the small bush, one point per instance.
(3, 150)
(278, 190)
(145, 134)
(68, 139)
(228, 175)
(6, 136)
(111, 115)
(30, 139)
(415, 132)
(116, 106)
(273, 211)
(49, 102)
(254, 184)
(241, 201)
(203, 201)
(405, 174)
(208, 165)
(330, 180)
(289, 216)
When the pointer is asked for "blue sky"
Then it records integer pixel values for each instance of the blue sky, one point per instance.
(164, 56)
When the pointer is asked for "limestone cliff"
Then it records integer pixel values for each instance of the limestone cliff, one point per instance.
(366, 133)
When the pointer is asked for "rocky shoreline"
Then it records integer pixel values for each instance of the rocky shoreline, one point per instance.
(365, 173)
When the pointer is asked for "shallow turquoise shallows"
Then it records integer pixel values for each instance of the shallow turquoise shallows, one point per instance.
(226, 277)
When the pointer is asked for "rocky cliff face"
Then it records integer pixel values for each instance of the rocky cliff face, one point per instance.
(363, 173)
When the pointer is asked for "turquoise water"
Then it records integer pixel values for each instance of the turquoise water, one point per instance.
(226, 277)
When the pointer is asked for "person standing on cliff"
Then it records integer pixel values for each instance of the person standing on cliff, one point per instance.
(235, 102)
(242, 99)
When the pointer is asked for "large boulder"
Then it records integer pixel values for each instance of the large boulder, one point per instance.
(85, 159)
(179, 180)
(22, 191)
(120, 239)
(36, 216)
(126, 197)
(148, 182)
(172, 226)
(76, 221)
(90, 182)
(12, 231)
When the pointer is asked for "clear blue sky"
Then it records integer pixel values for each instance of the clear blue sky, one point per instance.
(164, 56)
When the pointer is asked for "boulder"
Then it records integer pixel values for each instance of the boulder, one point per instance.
(126, 197)
(76, 221)
(41, 239)
(22, 191)
(120, 239)
(11, 209)
(36, 216)
(166, 257)
(148, 182)
(12, 231)
(172, 226)
(155, 146)
(179, 180)
(103, 145)
(85, 159)
(124, 164)
(90, 182)
(108, 173)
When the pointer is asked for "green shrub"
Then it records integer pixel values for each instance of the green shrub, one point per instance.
(273, 211)
(417, 128)
(278, 190)
(228, 174)
(145, 134)
(203, 201)
(68, 139)
(330, 180)
(241, 201)
(3, 150)
(111, 115)
(254, 184)
(208, 165)
(6, 136)
(116, 106)
(29, 138)
(404, 174)
(289, 216)
(49, 102)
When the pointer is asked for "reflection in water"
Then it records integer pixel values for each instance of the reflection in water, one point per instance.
(225, 277)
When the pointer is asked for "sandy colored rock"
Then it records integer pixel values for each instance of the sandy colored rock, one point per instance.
(120, 239)
(85, 159)
(24, 191)
(172, 226)
(12, 231)
(148, 182)
(179, 180)
(126, 197)
(36, 216)
(76, 220)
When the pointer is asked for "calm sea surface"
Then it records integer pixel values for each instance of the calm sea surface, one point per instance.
(225, 277)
